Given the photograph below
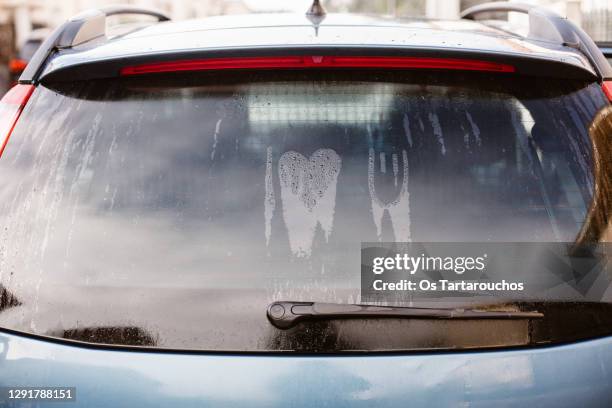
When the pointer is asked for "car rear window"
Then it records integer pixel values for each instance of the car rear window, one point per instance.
(170, 210)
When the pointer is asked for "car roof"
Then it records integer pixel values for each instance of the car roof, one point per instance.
(295, 31)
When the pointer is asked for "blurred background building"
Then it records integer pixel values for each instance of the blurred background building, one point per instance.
(20, 19)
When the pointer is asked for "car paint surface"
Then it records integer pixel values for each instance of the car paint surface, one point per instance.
(565, 376)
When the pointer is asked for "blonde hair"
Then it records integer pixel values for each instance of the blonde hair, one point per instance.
(598, 224)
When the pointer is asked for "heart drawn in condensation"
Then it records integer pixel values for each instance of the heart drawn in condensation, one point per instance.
(308, 194)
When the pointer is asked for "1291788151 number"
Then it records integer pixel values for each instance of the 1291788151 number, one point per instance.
(37, 393)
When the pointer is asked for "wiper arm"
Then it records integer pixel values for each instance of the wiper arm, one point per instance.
(285, 315)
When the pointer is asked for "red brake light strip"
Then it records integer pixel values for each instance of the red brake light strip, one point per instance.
(11, 106)
(301, 62)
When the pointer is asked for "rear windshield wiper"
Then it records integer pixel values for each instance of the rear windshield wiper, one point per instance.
(285, 315)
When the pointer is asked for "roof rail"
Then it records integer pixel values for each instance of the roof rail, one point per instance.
(126, 9)
(80, 29)
(545, 25)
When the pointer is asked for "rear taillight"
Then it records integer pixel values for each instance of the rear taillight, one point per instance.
(16, 66)
(303, 62)
(11, 106)
(607, 88)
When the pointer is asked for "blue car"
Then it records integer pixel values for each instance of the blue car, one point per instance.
(606, 49)
(184, 207)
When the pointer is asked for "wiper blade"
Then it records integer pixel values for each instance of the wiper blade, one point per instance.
(285, 315)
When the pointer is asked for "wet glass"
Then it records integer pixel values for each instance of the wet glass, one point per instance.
(171, 210)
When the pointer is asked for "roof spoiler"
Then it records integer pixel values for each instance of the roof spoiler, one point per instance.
(80, 29)
(545, 25)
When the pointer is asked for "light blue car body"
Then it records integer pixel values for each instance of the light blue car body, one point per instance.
(573, 375)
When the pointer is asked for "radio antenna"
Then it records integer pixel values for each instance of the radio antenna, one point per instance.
(316, 14)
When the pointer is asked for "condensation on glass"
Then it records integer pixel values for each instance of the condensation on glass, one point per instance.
(170, 211)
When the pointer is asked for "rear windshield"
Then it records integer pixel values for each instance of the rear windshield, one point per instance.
(169, 211)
